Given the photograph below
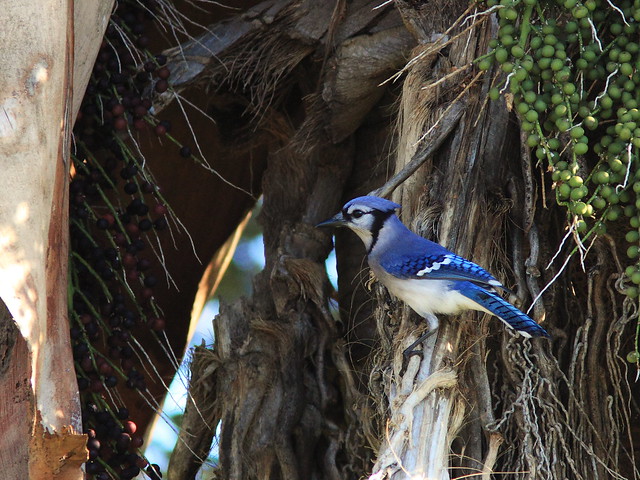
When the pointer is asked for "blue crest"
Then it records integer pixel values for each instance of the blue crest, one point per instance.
(374, 202)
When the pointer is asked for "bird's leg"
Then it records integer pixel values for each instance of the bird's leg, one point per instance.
(433, 323)
(411, 349)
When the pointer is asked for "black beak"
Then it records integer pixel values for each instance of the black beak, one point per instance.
(336, 221)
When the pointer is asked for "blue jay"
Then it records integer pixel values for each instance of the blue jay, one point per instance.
(423, 274)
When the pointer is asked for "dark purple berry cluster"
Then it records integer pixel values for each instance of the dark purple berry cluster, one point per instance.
(116, 213)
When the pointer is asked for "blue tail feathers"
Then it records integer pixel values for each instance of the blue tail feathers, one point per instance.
(503, 310)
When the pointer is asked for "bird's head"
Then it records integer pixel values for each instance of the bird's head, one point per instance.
(365, 216)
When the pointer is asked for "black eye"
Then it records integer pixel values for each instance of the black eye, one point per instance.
(357, 213)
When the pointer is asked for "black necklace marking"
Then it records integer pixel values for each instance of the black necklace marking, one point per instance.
(379, 218)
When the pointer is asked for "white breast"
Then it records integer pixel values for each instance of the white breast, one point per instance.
(427, 296)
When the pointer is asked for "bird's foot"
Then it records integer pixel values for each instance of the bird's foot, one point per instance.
(411, 350)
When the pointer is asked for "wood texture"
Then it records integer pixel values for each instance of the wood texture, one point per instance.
(43, 438)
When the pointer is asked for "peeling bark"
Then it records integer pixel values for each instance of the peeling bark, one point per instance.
(41, 416)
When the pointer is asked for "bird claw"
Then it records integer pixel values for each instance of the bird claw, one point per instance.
(411, 350)
(406, 356)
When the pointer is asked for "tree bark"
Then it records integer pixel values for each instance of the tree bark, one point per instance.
(41, 430)
(299, 396)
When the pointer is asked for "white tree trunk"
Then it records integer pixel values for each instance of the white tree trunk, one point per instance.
(40, 91)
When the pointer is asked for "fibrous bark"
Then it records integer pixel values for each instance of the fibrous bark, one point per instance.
(481, 400)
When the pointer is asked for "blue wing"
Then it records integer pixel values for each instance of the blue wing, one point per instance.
(440, 266)
(502, 309)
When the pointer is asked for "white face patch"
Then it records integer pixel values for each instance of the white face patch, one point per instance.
(434, 266)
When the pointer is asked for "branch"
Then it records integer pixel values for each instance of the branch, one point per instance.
(428, 145)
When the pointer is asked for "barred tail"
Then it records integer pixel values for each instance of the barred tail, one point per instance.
(504, 311)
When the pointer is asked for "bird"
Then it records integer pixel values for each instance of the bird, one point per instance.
(425, 275)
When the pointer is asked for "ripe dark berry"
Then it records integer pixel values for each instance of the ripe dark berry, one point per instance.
(83, 383)
(110, 381)
(161, 86)
(140, 111)
(153, 471)
(129, 261)
(93, 443)
(132, 275)
(120, 123)
(92, 467)
(130, 188)
(156, 324)
(117, 110)
(143, 42)
(127, 351)
(129, 171)
(129, 427)
(96, 385)
(139, 124)
(75, 332)
(80, 350)
(160, 224)
(143, 264)
(145, 224)
(163, 73)
(123, 441)
(185, 151)
(147, 187)
(159, 209)
(102, 224)
(105, 369)
(119, 239)
(160, 130)
(132, 229)
(161, 59)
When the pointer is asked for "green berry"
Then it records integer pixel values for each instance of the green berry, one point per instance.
(578, 193)
(602, 177)
(517, 51)
(613, 215)
(548, 51)
(590, 122)
(633, 356)
(575, 181)
(531, 116)
(563, 124)
(580, 12)
(533, 140)
(579, 208)
(564, 190)
(580, 148)
(599, 203)
(501, 55)
(577, 132)
(632, 236)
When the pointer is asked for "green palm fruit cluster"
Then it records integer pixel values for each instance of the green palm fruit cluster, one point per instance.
(571, 70)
